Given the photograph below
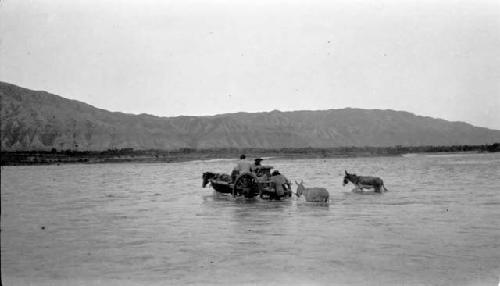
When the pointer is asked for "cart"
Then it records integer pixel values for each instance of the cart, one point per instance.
(248, 184)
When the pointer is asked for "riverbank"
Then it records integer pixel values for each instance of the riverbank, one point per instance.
(188, 154)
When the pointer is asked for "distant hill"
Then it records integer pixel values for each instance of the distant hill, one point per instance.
(38, 120)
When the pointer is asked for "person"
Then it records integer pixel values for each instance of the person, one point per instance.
(282, 184)
(256, 164)
(243, 166)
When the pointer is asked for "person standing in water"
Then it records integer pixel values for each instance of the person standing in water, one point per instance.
(281, 183)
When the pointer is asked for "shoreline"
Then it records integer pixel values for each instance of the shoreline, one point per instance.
(129, 155)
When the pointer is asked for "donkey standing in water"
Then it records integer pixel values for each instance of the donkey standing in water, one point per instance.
(312, 194)
(362, 182)
(207, 176)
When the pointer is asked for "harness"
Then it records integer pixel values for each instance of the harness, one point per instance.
(354, 179)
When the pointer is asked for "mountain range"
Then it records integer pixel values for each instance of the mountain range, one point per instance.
(38, 120)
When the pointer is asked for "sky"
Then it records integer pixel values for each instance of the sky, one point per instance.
(185, 57)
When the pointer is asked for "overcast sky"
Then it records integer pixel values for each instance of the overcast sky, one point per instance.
(169, 58)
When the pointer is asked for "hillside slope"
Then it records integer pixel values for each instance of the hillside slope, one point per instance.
(38, 120)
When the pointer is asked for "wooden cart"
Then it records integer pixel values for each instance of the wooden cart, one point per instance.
(249, 185)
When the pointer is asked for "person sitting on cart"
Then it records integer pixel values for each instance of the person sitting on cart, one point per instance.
(255, 166)
(282, 184)
(243, 166)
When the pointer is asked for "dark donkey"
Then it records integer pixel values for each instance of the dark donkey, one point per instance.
(207, 176)
(363, 182)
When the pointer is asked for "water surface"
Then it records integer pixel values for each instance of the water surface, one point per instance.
(136, 224)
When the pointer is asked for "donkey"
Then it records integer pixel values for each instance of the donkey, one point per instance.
(363, 182)
(312, 194)
(207, 176)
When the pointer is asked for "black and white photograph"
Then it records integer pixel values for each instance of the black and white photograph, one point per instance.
(239, 142)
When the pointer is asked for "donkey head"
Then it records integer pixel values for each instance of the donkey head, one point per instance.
(206, 176)
(300, 188)
(348, 177)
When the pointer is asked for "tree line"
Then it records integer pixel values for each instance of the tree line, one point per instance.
(187, 154)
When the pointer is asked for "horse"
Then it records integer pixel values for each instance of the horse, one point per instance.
(312, 194)
(207, 176)
(364, 182)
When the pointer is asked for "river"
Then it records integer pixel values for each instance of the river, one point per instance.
(153, 224)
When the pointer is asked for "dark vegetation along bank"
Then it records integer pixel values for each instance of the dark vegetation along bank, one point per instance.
(188, 154)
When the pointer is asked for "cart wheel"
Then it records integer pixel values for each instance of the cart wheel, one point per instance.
(245, 181)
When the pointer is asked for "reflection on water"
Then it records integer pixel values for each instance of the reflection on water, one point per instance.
(135, 224)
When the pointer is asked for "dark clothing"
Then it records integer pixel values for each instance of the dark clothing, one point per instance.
(255, 167)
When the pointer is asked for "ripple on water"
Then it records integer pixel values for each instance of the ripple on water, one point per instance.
(153, 223)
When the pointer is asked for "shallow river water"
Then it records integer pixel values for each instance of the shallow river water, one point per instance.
(153, 224)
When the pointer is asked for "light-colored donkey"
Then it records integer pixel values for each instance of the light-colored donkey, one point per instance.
(312, 194)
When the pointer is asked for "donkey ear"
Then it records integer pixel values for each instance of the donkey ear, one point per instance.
(302, 181)
(296, 182)
(346, 172)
